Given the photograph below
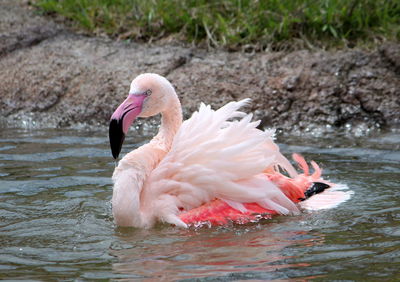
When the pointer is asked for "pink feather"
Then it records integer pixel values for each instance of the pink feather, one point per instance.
(216, 167)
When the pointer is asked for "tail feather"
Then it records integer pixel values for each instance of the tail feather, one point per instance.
(309, 191)
(317, 170)
(316, 188)
(302, 163)
(328, 199)
(303, 185)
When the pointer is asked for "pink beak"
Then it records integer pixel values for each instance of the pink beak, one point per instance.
(122, 119)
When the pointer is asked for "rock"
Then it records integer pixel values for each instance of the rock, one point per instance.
(59, 78)
(391, 52)
(21, 28)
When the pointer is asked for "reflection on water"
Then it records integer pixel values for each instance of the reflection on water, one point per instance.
(55, 218)
(250, 251)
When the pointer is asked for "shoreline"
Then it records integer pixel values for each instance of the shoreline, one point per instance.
(55, 77)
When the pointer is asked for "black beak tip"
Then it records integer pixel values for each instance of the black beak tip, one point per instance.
(116, 136)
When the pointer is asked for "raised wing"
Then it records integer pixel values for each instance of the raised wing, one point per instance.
(217, 155)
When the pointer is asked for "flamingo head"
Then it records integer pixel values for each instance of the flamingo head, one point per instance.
(148, 96)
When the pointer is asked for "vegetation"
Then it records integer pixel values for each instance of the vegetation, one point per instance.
(238, 23)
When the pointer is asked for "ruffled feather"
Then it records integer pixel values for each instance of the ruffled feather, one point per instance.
(217, 155)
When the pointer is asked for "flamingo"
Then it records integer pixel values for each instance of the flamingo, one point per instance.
(216, 167)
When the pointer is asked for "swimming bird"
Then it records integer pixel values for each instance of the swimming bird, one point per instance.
(216, 167)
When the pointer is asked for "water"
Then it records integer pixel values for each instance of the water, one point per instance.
(55, 218)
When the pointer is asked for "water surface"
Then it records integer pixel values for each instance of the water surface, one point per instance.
(55, 218)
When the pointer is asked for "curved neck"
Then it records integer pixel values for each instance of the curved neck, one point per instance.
(132, 171)
(171, 120)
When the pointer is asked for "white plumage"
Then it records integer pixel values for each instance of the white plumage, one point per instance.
(215, 158)
(202, 164)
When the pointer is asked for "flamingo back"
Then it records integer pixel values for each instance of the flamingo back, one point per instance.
(217, 155)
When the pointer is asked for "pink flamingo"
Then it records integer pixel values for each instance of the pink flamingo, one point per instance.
(215, 167)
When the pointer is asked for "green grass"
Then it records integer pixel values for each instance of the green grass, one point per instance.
(237, 24)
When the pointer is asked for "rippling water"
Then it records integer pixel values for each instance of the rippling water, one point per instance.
(55, 218)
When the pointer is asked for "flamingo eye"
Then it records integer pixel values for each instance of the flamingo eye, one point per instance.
(148, 92)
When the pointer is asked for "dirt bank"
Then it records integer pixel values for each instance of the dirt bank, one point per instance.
(51, 76)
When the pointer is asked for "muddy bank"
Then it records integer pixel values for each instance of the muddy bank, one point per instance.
(53, 77)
